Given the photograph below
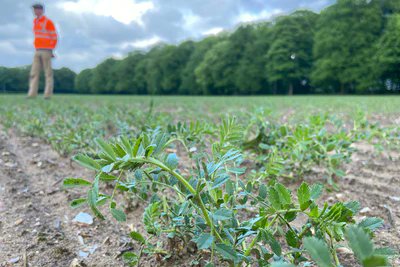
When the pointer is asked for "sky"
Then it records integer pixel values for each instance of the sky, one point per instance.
(93, 30)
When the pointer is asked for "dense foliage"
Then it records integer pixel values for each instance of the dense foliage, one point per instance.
(350, 47)
(214, 185)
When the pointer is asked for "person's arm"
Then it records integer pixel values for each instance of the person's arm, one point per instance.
(53, 33)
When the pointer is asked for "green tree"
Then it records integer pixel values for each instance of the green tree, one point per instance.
(345, 34)
(83, 81)
(387, 57)
(289, 58)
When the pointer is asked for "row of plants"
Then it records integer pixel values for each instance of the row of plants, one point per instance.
(216, 207)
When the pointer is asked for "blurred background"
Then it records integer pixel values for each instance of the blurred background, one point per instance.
(210, 47)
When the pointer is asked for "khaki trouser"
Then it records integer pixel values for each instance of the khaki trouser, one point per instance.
(42, 59)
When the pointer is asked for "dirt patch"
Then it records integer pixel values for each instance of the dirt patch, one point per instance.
(36, 223)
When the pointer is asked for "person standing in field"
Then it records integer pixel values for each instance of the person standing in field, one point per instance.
(45, 42)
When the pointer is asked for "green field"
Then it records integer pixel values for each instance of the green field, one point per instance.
(232, 177)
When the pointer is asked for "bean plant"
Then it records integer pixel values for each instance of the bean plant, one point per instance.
(210, 205)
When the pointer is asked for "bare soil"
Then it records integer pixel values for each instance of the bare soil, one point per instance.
(36, 227)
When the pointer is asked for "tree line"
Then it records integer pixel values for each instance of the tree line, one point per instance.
(352, 46)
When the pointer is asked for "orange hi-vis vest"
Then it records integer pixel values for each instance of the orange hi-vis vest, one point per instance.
(45, 33)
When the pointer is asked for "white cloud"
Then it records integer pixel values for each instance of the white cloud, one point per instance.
(143, 43)
(213, 31)
(263, 15)
(124, 11)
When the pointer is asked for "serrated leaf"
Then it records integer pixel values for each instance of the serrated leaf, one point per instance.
(220, 181)
(359, 242)
(77, 202)
(227, 252)
(172, 161)
(222, 214)
(316, 191)
(274, 199)
(137, 237)
(274, 244)
(87, 162)
(284, 194)
(375, 261)
(304, 196)
(106, 148)
(385, 251)
(75, 182)
(119, 215)
(262, 192)
(318, 251)
(371, 223)
(204, 241)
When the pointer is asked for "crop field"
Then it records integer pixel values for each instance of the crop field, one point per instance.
(200, 181)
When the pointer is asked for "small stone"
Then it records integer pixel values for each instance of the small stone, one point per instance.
(75, 263)
(344, 250)
(13, 260)
(5, 154)
(35, 144)
(19, 170)
(193, 149)
(39, 164)
(83, 218)
(19, 221)
(395, 199)
(10, 165)
(36, 155)
(365, 210)
(340, 197)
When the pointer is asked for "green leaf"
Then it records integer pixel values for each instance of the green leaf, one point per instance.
(107, 177)
(87, 162)
(274, 199)
(375, 261)
(149, 150)
(359, 242)
(130, 258)
(204, 241)
(292, 239)
(92, 201)
(172, 161)
(318, 251)
(262, 192)
(304, 196)
(75, 182)
(222, 214)
(284, 194)
(119, 215)
(77, 202)
(137, 237)
(316, 191)
(274, 244)
(227, 252)
(106, 148)
(385, 251)
(371, 223)
(108, 168)
(220, 181)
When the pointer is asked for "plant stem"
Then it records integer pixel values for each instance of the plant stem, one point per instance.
(253, 242)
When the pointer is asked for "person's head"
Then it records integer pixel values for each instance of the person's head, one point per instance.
(38, 9)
